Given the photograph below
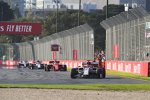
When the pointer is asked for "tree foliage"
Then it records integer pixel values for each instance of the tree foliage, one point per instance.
(66, 20)
(6, 13)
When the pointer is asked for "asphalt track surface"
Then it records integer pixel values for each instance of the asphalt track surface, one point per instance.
(28, 76)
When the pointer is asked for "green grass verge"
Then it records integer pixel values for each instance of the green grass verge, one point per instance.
(127, 75)
(116, 87)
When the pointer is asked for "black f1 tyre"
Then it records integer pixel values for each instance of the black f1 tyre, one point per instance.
(46, 67)
(32, 67)
(104, 73)
(65, 67)
(101, 73)
(74, 72)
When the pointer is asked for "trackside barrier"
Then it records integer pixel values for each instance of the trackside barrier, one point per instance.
(8, 62)
(69, 63)
(72, 63)
(139, 68)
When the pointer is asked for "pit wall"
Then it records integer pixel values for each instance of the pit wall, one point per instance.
(139, 68)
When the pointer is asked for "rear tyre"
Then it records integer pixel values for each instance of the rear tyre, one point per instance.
(65, 67)
(74, 72)
(45, 67)
(32, 66)
(48, 67)
(104, 73)
(101, 73)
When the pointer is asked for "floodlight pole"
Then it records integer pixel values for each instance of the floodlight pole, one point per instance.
(107, 9)
(43, 9)
(57, 16)
(79, 12)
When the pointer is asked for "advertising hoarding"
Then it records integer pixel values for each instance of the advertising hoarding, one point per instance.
(54, 47)
(22, 28)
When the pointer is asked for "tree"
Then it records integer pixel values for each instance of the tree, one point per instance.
(113, 9)
(6, 13)
(66, 20)
(17, 13)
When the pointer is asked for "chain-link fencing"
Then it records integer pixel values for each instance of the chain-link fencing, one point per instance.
(128, 36)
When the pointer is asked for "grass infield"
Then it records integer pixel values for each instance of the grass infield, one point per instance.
(127, 75)
(116, 87)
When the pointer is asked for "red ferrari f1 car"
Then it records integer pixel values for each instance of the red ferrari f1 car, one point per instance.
(55, 66)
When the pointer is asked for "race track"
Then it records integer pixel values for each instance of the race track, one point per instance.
(27, 76)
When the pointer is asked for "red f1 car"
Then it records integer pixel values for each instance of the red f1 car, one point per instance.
(55, 66)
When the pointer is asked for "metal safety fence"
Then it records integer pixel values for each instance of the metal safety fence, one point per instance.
(73, 44)
(128, 36)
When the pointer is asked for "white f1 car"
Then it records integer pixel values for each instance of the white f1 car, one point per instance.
(89, 69)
